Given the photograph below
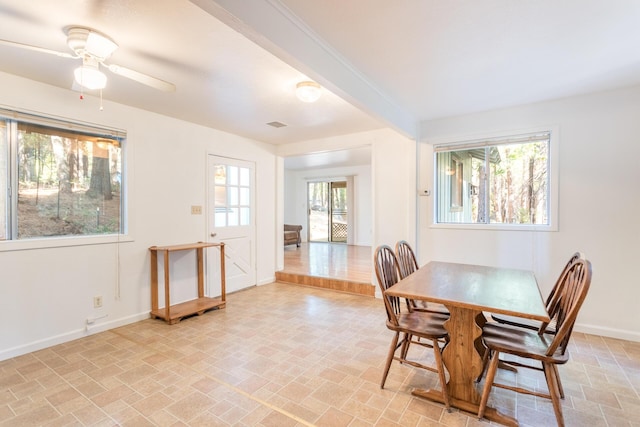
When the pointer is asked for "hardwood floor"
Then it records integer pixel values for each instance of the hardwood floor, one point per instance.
(335, 266)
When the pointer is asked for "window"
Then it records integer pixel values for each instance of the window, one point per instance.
(61, 178)
(232, 196)
(503, 180)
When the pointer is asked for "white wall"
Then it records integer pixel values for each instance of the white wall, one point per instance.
(295, 198)
(47, 293)
(599, 204)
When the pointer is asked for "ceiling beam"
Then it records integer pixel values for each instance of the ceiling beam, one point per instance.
(275, 28)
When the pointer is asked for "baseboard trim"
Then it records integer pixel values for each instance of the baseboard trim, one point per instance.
(608, 332)
(89, 329)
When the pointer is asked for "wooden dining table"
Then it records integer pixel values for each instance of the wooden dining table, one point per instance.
(468, 291)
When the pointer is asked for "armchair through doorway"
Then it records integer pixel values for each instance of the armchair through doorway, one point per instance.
(292, 234)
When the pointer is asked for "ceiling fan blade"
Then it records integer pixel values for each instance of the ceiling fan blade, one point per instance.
(37, 49)
(145, 79)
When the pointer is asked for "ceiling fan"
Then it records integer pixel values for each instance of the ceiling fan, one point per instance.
(94, 48)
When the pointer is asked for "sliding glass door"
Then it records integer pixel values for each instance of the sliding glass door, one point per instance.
(327, 210)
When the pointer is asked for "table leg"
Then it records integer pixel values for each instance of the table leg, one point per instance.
(460, 356)
(463, 360)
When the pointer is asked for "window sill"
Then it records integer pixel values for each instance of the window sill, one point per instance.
(496, 227)
(61, 242)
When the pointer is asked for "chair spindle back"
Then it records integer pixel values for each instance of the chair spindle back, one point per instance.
(386, 266)
(574, 284)
(406, 258)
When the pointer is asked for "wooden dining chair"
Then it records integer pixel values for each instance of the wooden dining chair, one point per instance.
(408, 264)
(540, 347)
(533, 324)
(401, 320)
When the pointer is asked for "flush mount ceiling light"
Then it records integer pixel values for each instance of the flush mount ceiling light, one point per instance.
(308, 91)
(88, 75)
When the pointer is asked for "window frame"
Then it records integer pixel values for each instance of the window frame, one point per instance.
(13, 116)
(553, 174)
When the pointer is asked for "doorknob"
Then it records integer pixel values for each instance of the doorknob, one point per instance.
(214, 234)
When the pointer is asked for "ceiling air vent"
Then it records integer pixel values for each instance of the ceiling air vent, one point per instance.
(276, 124)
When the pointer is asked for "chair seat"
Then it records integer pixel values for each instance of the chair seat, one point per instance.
(521, 342)
(523, 323)
(421, 324)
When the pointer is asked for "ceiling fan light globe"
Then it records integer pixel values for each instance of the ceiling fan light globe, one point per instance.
(308, 91)
(90, 77)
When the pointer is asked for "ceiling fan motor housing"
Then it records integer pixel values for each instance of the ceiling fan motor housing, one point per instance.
(87, 42)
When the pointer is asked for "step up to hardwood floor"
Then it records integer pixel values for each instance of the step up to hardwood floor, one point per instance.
(359, 288)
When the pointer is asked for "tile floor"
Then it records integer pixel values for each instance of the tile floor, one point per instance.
(284, 355)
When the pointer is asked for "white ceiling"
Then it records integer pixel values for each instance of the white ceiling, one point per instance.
(223, 80)
(381, 63)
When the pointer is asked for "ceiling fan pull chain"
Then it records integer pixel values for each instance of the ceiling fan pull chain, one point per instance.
(101, 100)
(81, 86)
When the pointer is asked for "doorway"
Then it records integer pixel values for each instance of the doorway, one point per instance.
(327, 211)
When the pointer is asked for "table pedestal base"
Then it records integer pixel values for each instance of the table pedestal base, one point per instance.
(491, 414)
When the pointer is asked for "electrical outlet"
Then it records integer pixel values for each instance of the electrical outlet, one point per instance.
(97, 301)
(196, 210)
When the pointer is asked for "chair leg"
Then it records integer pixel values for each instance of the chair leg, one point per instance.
(405, 346)
(443, 378)
(491, 373)
(557, 373)
(552, 384)
(392, 350)
(485, 361)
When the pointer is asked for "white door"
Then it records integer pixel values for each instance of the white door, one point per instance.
(231, 220)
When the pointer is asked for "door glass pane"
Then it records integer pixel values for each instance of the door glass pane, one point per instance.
(244, 177)
(233, 217)
(244, 196)
(233, 196)
(221, 196)
(233, 175)
(220, 175)
(245, 217)
(4, 176)
(221, 217)
(339, 211)
(318, 203)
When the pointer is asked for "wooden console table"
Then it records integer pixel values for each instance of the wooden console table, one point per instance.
(174, 313)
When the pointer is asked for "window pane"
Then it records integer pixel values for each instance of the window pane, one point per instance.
(505, 183)
(68, 183)
(519, 185)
